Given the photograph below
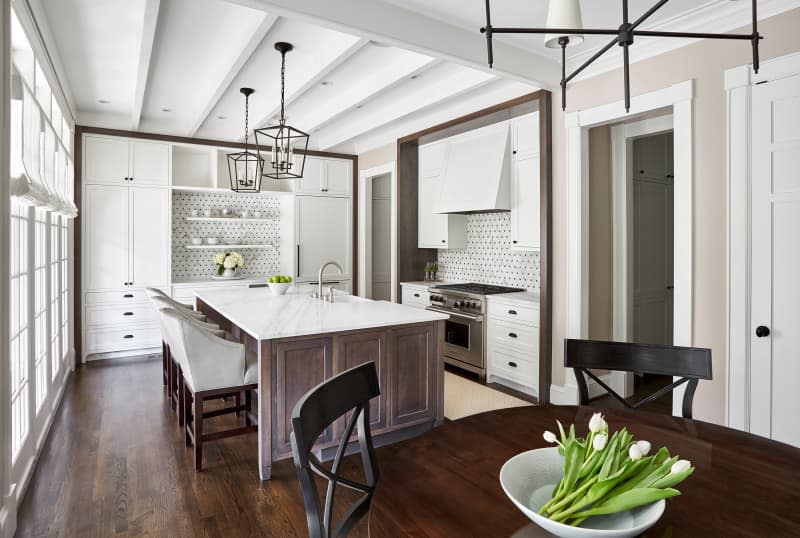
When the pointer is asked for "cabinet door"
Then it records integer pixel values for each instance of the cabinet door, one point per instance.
(650, 157)
(105, 255)
(354, 349)
(431, 159)
(105, 160)
(300, 365)
(525, 136)
(149, 236)
(150, 163)
(411, 375)
(324, 233)
(338, 177)
(312, 181)
(525, 207)
(433, 228)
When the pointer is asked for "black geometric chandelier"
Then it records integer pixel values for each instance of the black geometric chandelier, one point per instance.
(565, 29)
(245, 167)
(282, 139)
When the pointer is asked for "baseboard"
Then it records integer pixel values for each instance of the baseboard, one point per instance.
(119, 354)
(8, 517)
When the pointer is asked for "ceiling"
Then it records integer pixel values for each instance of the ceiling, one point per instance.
(363, 72)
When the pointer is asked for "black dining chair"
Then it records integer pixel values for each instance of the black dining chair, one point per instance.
(688, 363)
(317, 410)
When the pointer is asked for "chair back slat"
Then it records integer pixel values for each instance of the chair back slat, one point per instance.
(688, 363)
(318, 409)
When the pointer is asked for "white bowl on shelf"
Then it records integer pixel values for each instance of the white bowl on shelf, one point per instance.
(212, 240)
(279, 288)
(196, 240)
(529, 479)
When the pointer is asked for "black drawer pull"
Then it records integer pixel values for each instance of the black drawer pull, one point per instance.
(128, 296)
(127, 313)
(512, 335)
(416, 295)
(512, 364)
(128, 336)
(512, 312)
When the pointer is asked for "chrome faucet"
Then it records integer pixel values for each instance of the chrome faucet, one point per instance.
(319, 295)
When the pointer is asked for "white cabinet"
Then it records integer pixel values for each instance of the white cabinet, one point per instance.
(436, 230)
(525, 183)
(126, 243)
(415, 295)
(120, 161)
(323, 233)
(331, 177)
(512, 343)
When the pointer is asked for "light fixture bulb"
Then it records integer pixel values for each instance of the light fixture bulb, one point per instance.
(563, 14)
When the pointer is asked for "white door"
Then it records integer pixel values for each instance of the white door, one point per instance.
(149, 244)
(525, 207)
(312, 181)
(652, 242)
(775, 251)
(106, 160)
(432, 227)
(150, 163)
(105, 255)
(338, 177)
(324, 233)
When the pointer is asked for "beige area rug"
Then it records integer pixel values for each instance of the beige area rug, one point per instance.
(463, 398)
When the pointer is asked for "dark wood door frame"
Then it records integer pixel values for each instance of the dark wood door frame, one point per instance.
(81, 130)
(411, 259)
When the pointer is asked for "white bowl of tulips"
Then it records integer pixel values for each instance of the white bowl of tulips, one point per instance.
(598, 486)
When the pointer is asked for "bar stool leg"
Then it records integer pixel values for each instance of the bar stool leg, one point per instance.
(179, 397)
(198, 432)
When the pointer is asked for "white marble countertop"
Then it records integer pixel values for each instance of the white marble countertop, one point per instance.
(209, 280)
(265, 316)
(517, 296)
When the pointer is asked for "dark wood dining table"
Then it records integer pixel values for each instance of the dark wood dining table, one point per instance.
(446, 482)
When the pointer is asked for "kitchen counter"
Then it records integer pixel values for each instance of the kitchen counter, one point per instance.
(265, 316)
(523, 297)
(301, 342)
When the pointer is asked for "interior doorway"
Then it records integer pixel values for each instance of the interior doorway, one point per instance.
(377, 233)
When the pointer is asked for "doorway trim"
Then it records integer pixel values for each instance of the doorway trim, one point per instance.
(365, 194)
(738, 84)
(679, 98)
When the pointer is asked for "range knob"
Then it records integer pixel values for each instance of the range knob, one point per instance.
(458, 304)
(473, 304)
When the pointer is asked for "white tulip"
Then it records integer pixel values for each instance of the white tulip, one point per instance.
(635, 452)
(599, 442)
(644, 447)
(550, 437)
(597, 423)
(680, 466)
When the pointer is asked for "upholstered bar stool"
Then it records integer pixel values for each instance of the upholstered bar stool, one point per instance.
(212, 367)
(155, 293)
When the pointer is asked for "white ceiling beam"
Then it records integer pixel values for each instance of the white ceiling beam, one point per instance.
(321, 75)
(245, 54)
(393, 25)
(145, 54)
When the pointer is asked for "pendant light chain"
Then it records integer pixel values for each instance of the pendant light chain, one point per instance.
(283, 84)
(246, 118)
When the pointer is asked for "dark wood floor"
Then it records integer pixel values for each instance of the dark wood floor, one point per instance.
(115, 464)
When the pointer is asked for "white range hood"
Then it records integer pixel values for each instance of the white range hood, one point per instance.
(477, 172)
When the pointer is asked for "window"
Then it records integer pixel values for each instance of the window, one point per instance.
(19, 351)
(40, 305)
(55, 296)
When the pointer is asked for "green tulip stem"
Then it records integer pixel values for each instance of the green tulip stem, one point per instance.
(572, 496)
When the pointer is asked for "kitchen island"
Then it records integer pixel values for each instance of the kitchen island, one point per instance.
(301, 341)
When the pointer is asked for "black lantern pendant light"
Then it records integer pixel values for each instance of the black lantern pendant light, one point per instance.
(282, 139)
(245, 167)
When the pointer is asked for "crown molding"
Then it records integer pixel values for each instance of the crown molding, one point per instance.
(716, 17)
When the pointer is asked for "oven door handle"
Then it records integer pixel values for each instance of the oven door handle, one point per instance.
(455, 314)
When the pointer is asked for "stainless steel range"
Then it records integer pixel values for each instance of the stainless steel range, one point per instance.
(465, 331)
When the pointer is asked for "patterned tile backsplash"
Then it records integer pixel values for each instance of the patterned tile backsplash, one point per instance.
(488, 257)
(197, 264)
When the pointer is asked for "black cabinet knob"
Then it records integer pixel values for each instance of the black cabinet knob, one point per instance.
(512, 312)
(128, 296)
(128, 336)
(762, 331)
(514, 241)
(444, 241)
(512, 335)
(416, 295)
(127, 313)
(512, 364)
(514, 152)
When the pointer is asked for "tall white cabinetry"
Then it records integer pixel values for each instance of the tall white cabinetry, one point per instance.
(324, 233)
(436, 230)
(329, 177)
(126, 241)
(525, 181)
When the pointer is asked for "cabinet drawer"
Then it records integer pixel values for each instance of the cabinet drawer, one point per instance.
(527, 315)
(509, 366)
(516, 336)
(120, 314)
(117, 297)
(107, 340)
(413, 296)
